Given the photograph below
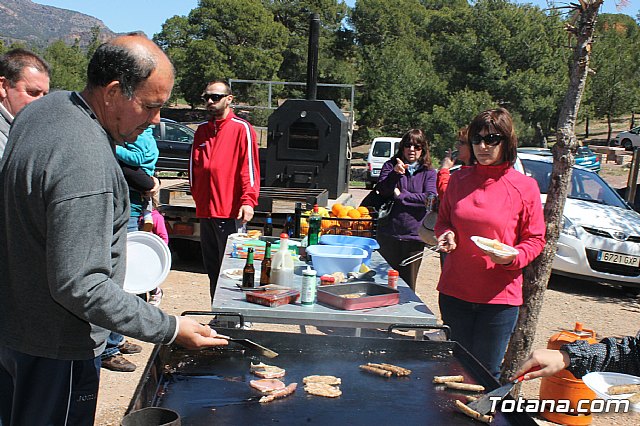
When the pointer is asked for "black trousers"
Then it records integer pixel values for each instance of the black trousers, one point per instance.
(44, 391)
(213, 239)
(395, 251)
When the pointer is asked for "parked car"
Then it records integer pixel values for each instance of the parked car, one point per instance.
(174, 142)
(545, 152)
(600, 235)
(584, 156)
(381, 150)
(588, 159)
(628, 139)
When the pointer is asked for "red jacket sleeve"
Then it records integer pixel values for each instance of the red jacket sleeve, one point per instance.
(250, 173)
(442, 182)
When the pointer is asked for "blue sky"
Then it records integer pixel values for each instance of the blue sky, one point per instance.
(149, 15)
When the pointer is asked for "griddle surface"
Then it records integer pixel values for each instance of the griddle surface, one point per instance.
(213, 391)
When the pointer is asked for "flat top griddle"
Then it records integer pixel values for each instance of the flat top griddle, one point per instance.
(212, 386)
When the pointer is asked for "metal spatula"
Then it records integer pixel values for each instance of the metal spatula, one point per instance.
(483, 405)
(251, 345)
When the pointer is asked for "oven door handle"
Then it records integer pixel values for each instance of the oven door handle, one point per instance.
(215, 314)
(445, 328)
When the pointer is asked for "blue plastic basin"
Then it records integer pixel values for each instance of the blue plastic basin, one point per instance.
(330, 259)
(368, 244)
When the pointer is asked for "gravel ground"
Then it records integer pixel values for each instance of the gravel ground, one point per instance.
(607, 309)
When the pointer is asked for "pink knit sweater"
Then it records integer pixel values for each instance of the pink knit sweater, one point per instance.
(494, 202)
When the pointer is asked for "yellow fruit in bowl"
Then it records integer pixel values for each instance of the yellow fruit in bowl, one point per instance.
(336, 208)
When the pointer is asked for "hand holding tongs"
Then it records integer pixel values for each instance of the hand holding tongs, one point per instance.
(418, 256)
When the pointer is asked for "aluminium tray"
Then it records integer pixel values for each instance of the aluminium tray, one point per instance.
(358, 295)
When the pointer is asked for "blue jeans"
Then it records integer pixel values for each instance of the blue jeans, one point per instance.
(113, 341)
(482, 329)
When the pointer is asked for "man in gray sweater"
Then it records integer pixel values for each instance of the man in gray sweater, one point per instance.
(64, 209)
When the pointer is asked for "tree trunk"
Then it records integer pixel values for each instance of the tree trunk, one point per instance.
(536, 275)
(609, 128)
(586, 127)
(540, 138)
(633, 120)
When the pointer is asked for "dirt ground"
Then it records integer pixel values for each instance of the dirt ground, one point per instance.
(609, 310)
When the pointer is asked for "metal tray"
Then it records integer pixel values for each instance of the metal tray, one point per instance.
(363, 294)
(211, 386)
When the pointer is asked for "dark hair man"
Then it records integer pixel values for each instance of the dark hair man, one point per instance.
(24, 77)
(224, 176)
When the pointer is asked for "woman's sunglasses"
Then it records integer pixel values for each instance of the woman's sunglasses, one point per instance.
(414, 145)
(492, 139)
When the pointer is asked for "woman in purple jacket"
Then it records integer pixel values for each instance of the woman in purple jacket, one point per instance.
(409, 179)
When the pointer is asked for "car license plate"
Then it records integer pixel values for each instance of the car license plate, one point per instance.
(586, 163)
(619, 259)
(375, 172)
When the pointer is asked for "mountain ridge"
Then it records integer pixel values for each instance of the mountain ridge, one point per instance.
(41, 25)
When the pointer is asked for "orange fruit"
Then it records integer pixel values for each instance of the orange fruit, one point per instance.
(363, 211)
(354, 214)
(335, 209)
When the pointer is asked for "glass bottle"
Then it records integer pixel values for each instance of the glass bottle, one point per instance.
(314, 226)
(268, 226)
(265, 266)
(249, 272)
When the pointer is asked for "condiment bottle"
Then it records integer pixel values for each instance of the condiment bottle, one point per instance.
(282, 264)
(268, 226)
(392, 278)
(249, 272)
(265, 266)
(308, 292)
(315, 221)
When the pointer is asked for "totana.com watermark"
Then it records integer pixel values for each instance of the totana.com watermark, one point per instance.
(584, 406)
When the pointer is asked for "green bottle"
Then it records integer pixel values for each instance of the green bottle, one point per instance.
(249, 272)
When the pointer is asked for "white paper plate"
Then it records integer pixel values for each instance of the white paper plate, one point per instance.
(234, 274)
(238, 236)
(483, 243)
(600, 383)
(148, 262)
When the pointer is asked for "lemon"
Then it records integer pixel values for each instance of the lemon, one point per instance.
(364, 268)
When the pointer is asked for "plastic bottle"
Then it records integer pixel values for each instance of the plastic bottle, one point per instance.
(309, 284)
(268, 226)
(392, 278)
(314, 226)
(249, 272)
(265, 266)
(282, 264)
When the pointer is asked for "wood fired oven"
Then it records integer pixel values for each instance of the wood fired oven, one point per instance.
(307, 147)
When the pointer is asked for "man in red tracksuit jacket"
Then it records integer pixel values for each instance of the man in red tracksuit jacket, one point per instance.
(224, 176)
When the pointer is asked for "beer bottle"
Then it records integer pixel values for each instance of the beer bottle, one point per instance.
(249, 272)
(265, 267)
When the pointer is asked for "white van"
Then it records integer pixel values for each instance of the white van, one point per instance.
(381, 150)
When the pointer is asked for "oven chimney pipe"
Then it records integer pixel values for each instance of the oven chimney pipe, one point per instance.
(312, 59)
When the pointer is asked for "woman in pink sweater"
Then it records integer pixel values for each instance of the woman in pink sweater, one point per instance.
(480, 292)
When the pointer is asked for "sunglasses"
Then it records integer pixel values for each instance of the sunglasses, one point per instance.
(492, 139)
(214, 97)
(414, 145)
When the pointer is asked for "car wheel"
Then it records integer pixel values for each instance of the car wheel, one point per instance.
(627, 144)
(368, 185)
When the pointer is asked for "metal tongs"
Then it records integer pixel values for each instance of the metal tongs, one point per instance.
(418, 256)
